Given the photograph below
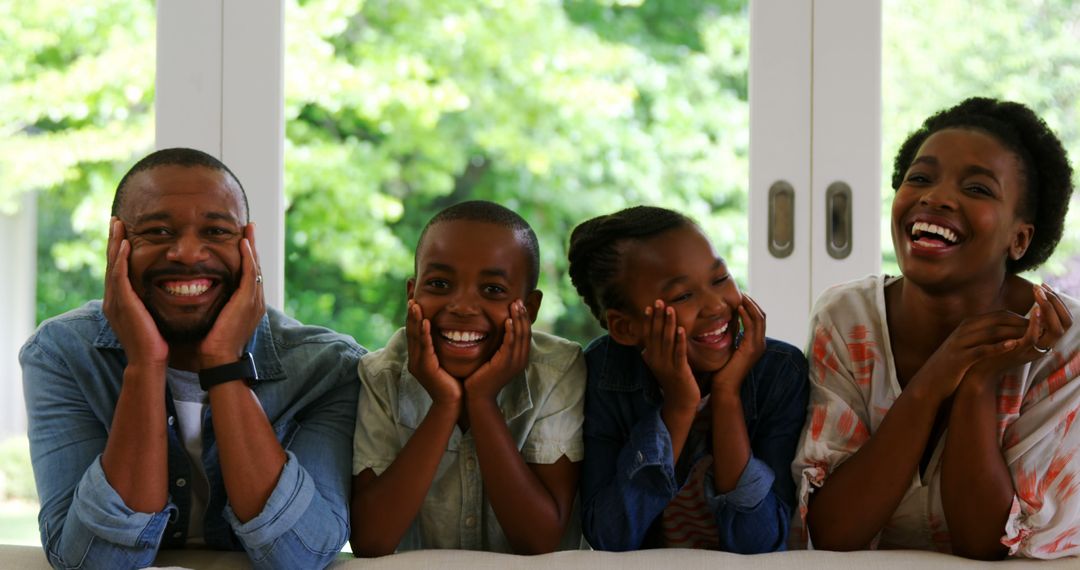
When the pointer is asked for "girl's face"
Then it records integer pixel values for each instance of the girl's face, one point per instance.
(955, 216)
(680, 268)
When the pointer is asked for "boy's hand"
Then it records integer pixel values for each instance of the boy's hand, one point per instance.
(665, 355)
(511, 358)
(241, 314)
(125, 311)
(424, 363)
(729, 378)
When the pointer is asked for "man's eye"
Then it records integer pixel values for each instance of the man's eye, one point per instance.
(219, 232)
(154, 232)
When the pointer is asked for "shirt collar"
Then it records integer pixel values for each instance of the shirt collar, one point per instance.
(261, 346)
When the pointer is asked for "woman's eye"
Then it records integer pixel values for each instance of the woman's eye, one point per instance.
(917, 178)
(720, 280)
(980, 189)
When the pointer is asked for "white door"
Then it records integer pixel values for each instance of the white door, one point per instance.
(815, 115)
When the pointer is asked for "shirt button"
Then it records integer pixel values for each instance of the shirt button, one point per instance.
(181, 482)
(640, 457)
(470, 521)
(172, 420)
(177, 534)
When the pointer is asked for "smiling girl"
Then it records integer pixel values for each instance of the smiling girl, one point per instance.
(690, 424)
(942, 401)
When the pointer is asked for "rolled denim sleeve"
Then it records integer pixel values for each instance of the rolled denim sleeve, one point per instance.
(627, 483)
(84, 523)
(304, 523)
(750, 518)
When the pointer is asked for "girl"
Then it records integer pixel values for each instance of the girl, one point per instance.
(942, 401)
(690, 426)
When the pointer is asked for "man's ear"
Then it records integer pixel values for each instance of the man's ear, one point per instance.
(532, 303)
(1021, 240)
(622, 327)
(410, 286)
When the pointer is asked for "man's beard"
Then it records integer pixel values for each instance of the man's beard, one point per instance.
(196, 331)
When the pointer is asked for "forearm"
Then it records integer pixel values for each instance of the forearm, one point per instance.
(628, 481)
(874, 479)
(677, 419)
(384, 506)
(976, 486)
(251, 456)
(529, 514)
(730, 442)
(136, 456)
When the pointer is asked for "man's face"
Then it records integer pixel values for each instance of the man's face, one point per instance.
(185, 225)
(467, 275)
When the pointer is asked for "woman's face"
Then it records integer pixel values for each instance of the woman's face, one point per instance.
(955, 217)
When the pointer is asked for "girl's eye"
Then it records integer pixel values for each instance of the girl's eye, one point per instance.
(680, 297)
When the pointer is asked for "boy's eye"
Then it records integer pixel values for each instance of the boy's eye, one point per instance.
(438, 283)
(494, 289)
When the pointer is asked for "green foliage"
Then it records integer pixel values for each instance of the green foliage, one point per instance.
(399, 108)
(16, 476)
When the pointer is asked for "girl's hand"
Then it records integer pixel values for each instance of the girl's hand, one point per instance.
(665, 355)
(424, 363)
(729, 378)
(509, 361)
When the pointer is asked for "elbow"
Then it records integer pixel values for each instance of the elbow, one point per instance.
(988, 552)
(370, 547)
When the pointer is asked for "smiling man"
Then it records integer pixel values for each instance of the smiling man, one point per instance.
(179, 410)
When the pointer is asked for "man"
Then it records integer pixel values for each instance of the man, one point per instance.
(179, 410)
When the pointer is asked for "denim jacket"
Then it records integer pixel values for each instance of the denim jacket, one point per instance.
(629, 474)
(73, 369)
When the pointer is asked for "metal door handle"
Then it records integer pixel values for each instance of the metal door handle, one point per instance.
(838, 222)
(781, 219)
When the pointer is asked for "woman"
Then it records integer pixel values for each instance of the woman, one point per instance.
(942, 401)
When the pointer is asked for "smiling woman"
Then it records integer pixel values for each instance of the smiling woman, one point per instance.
(941, 400)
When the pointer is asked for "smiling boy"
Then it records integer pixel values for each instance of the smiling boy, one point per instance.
(468, 433)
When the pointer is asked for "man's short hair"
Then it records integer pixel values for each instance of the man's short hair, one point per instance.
(177, 156)
(492, 213)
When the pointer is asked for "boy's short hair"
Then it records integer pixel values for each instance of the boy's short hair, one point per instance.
(492, 213)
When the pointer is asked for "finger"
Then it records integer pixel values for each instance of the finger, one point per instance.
(116, 235)
(680, 346)
(1054, 312)
(248, 268)
(260, 291)
(524, 334)
(670, 328)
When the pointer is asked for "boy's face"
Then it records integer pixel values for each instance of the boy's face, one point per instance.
(467, 275)
(680, 268)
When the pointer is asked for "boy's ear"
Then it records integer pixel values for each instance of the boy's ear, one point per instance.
(532, 303)
(410, 286)
(622, 327)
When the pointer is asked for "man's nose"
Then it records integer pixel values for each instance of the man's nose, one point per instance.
(187, 249)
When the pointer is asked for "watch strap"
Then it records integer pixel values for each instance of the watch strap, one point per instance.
(242, 369)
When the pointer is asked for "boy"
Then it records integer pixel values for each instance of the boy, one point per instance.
(469, 431)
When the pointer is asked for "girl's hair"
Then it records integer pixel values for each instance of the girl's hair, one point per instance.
(597, 246)
(1044, 165)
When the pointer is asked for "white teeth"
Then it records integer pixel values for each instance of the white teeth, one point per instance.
(462, 336)
(717, 332)
(923, 227)
(187, 289)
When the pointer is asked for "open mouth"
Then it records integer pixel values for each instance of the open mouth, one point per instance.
(714, 337)
(187, 291)
(463, 338)
(933, 236)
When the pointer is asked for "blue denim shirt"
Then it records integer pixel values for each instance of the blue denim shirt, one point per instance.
(72, 373)
(629, 474)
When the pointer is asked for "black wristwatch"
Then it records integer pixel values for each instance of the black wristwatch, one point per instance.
(243, 369)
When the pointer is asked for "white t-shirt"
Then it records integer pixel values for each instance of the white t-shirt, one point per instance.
(190, 400)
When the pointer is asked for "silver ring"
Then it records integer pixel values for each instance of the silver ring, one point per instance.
(258, 279)
(1040, 349)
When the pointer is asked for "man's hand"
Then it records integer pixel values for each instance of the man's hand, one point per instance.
(509, 361)
(241, 314)
(729, 379)
(127, 315)
(424, 363)
(665, 355)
